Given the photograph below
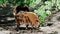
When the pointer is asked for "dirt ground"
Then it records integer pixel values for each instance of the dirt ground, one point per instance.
(51, 27)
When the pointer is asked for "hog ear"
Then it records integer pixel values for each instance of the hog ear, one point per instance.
(14, 10)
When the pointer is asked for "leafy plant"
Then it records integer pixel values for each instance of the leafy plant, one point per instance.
(42, 14)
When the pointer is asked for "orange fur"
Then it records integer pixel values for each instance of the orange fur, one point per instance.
(27, 17)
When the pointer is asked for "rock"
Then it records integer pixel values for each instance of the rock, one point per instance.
(5, 32)
(49, 30)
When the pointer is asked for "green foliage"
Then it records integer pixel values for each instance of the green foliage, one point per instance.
(1, 2)
(42, 14)
(34, 3)
(58, 4)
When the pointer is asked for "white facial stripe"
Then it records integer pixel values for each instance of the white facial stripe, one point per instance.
(14, 13)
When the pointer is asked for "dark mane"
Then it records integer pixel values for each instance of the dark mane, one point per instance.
(22, 8)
